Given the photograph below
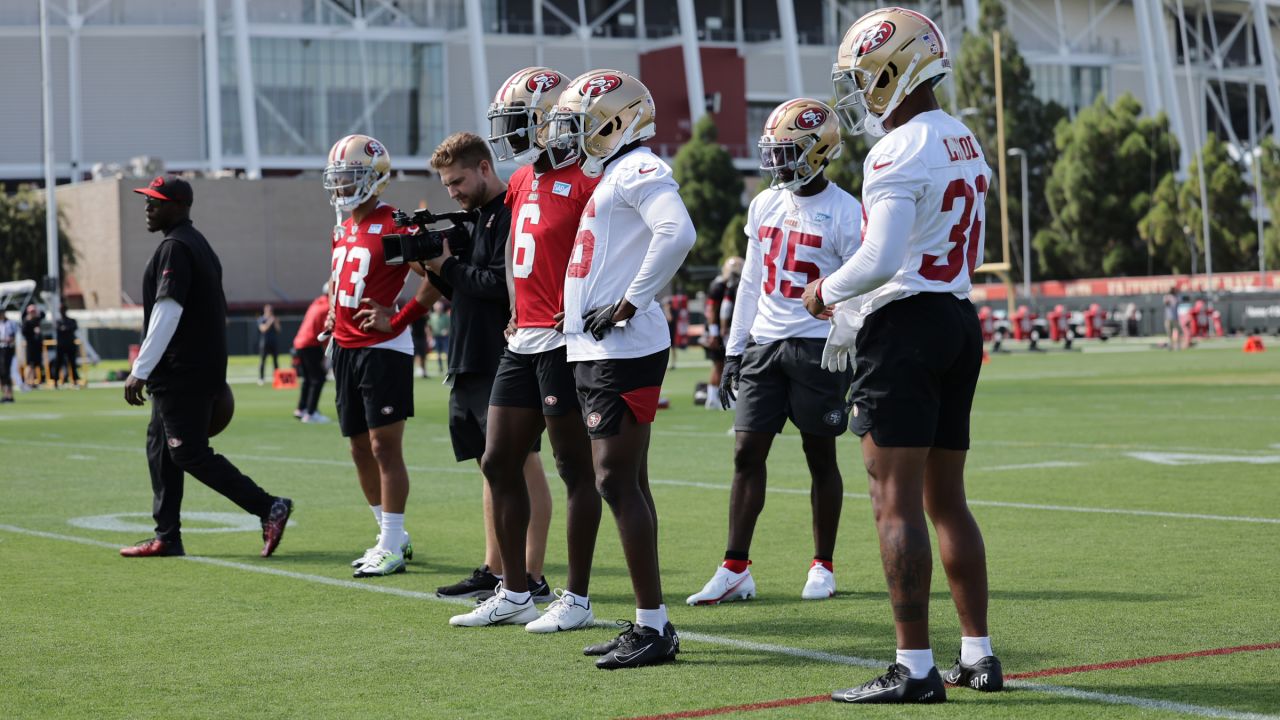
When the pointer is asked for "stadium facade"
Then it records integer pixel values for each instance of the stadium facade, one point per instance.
(264, 86)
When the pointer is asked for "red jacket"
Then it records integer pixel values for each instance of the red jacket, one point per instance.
(312, 324)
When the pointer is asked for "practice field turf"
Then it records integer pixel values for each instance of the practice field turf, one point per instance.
(1130, 500)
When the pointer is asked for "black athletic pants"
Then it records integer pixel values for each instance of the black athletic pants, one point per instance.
(266, 347)
(311, 367)
(67, 358)
(178, 443)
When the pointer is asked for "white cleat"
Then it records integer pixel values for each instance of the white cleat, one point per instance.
(406, 550)
(725, 586)
(498, 610)
(315, 418)
(820, 585)
(565, 613)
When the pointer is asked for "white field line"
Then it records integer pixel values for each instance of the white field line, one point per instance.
(1029, 466)
(467, 469)
(1001, 504)
(814, 655)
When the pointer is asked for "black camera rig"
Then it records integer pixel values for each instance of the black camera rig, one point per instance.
(428, 244)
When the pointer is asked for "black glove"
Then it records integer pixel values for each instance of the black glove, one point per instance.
(729, 380)
(599, 321)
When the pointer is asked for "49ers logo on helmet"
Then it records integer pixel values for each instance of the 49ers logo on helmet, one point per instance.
(373, 148)
(874, 37)
(542, 81)
(600, 85)
(811, 118)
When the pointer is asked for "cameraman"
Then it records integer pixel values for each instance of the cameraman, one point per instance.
(475, 282)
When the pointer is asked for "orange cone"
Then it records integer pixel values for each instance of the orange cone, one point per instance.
(1253, 344)
(285, 379)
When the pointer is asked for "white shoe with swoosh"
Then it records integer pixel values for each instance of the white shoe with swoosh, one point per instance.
(498, 610)
(725, 586)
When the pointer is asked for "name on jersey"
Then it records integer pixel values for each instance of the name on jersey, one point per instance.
(791, 221)
(961, 148)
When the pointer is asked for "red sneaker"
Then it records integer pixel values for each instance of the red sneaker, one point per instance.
(274, 524)
(155, 547)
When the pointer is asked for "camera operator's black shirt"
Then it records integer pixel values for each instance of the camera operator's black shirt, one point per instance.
(185, 269)
(477, 287)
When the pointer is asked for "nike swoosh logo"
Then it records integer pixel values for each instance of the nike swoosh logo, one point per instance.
(852, 695)
(878, 166)
(644, 171)
(495, 615)
(624, 659)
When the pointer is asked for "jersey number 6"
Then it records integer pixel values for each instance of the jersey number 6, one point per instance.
(522, 252)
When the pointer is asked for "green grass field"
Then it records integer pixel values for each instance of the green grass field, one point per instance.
(1130, 500)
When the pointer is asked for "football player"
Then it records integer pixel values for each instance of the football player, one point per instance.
(372, 369)
(719, 316)
(919, 349)
(802, 227)
(534, 387)
(616, 331)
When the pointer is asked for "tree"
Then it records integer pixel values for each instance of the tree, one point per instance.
(1029, 123)
(1230, 225)
(711, 188)
(733, 243)
(1270, 163)
(1163, 230)
(23, 252)
(846, 170)
(1110, 163)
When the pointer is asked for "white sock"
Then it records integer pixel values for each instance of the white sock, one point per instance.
(377, 515)
(917, 662)
(393, 534)
(973, 649)
(579, 600)
(713, 397)
(518, 598)
(653, 619)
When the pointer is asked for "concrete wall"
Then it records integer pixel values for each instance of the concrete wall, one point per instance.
(271, 235)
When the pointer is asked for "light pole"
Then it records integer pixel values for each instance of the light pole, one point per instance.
(1026, 224)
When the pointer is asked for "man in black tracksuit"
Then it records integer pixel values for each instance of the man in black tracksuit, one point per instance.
(183, 364)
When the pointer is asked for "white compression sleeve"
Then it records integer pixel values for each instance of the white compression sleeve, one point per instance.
(673, 237)
(164, 323)
(883, 251)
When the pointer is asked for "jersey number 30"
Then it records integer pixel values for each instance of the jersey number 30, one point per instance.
(970, 221)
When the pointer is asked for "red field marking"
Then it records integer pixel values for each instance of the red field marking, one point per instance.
(1121, 664)
(1114, 665)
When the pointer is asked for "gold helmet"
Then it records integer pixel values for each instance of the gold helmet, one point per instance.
(884, 56)
(359, 168)
(600, 112)
(732, 267)
(800, 137)
(518, 115)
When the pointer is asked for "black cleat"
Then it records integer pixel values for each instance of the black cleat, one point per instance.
(639, 646)
(480, 585)
(605, 648)
(983, 676)
(274, 523)
(539, 590)
(896, 686)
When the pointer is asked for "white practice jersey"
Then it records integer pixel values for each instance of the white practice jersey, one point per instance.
(634, 234)
(934, 162)
(791, 241)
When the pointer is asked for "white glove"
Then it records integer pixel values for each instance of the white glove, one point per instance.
(840, 339)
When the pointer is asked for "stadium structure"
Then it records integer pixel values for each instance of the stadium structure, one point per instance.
(264, 86)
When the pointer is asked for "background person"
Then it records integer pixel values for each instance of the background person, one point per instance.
(310, 353)
(9, 331)
(183, 365)
(33, 338)
(66, 364)
(268, 341)
(439, 324)
(721, 295)
(421, 344)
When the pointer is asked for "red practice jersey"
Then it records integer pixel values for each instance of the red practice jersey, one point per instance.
(545, 210)
(358, 271)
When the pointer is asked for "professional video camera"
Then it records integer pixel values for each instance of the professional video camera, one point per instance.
(428, 244)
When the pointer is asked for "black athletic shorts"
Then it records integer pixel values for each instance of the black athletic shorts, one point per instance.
(539, 381)
(917, 363)
(714, 354)
(784, 380)
(374, 388)
(609, 389)
(469, 414)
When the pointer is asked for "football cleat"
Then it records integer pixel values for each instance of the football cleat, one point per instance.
(479, 585)
(154, 547)
(639, 646)
(540, 590)
(497, 610)
(274, 523)
(986, 675)
(315, 418)
(725, 586)
(896, 686)
(820, 585)
(566, 613)
(406, 550)
(605, 648)
(381, 563)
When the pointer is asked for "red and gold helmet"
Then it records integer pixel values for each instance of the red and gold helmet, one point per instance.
(518, 115)
(359, 168)
(884, 56)
(600, 112)
(800, 138)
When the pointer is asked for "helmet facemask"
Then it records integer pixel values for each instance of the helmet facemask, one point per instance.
(513, 133)
(851, 85)
(785, 161)
(350, 186)
(564, 137)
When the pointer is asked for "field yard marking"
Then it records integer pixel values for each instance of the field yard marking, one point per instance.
(699, 637)
(1002, 504)
(1178, 459)
(1136, 662)
(1029, 466)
